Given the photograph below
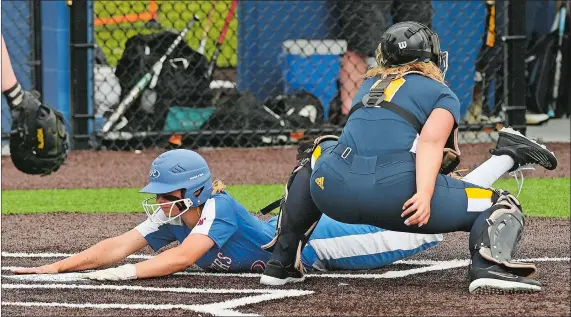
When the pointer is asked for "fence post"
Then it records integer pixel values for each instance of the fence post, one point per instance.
(515, 47)
(79, 81)
(37, 47)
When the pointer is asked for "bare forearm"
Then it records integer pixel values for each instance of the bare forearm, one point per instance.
(103, 253)
(8, 76)
(169, 262)
(428, 161)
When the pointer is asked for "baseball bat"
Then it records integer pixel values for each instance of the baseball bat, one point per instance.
(177, 138)
(222, 37)
(145, 80)
(558, 60)
(207, 28)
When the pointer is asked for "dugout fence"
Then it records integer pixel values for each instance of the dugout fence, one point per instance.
(280, 70)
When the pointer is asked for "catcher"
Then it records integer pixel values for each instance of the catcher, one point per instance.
(390, 168)
(38, 138)
(217, 233)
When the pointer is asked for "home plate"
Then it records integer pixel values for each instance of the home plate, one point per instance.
(61, 277)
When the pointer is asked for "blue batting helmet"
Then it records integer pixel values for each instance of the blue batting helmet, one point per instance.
(180, 169)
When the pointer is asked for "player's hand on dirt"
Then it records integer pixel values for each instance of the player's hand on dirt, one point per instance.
(421, 204)
(44, 269)
(124, 272)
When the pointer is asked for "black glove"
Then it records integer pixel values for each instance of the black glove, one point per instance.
(39, 139)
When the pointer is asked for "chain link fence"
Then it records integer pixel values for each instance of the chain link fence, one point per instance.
(251, 73)
(20, 28)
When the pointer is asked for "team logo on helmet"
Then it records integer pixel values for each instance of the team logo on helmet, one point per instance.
(153, 173)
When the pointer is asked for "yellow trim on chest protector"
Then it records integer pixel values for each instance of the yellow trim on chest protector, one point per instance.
(392, 88)
(315, 155)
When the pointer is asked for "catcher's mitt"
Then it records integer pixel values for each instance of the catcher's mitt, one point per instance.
(39, 138)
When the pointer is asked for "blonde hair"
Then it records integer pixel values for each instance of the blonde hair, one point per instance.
(429, 70)
(218, 187)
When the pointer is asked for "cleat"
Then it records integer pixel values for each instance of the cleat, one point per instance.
(496, 280)
(276, 274)
(522, 150)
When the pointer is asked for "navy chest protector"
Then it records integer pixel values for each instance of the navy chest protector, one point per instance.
(375, 98)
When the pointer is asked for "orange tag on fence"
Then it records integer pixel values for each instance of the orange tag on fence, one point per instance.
(176, 139)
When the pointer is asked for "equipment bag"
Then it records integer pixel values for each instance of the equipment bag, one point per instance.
(182, 81)
(302, 110)
(242, 111)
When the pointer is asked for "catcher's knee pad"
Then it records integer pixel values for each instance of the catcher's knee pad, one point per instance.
(502, 232)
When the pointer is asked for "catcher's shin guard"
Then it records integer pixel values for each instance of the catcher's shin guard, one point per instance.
(297, 219)
(307, 154)
(497, 239)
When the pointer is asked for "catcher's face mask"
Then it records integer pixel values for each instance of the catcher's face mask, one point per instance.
(167, 207)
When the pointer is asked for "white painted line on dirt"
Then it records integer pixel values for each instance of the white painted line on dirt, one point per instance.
(195, 308)
(61, 255)
(61, 277)
(444, 265)
(433, 266)
(147, 289)
(224, 308)
(438, 267)
(146, 257)
(563, 259)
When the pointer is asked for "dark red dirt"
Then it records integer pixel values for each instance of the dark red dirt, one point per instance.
(431, 293)
(111, 169)
(427, 294)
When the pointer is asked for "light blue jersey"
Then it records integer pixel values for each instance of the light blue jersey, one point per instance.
(238, 237)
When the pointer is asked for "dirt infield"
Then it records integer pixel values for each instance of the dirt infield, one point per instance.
(111, 169)
(428, 284)
(442, 291)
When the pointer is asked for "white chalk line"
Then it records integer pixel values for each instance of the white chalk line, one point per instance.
(433, 266)
(189, 290)
(62, 255)
(224, 308)
(146, 257)
(195, 308)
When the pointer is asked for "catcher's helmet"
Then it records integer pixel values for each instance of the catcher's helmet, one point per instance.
(174, 170)
(408, 42)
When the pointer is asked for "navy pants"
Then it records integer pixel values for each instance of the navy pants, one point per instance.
(372, 190)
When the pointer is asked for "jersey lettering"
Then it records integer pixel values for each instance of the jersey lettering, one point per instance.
(221, 263)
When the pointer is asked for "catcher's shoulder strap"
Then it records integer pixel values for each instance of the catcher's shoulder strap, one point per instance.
(375, 98)
(271, 206)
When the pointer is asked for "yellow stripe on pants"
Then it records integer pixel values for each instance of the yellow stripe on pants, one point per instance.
(479, 199)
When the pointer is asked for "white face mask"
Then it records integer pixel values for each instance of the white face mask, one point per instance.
(155, 213)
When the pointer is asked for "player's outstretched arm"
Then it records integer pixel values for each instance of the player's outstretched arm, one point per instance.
(106, 252)
(8, 77)
(168, 262)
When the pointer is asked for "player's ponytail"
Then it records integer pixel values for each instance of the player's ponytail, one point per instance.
(218, 187)
(429, 70)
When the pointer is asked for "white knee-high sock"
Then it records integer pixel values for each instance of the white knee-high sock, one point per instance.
(490, 171)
